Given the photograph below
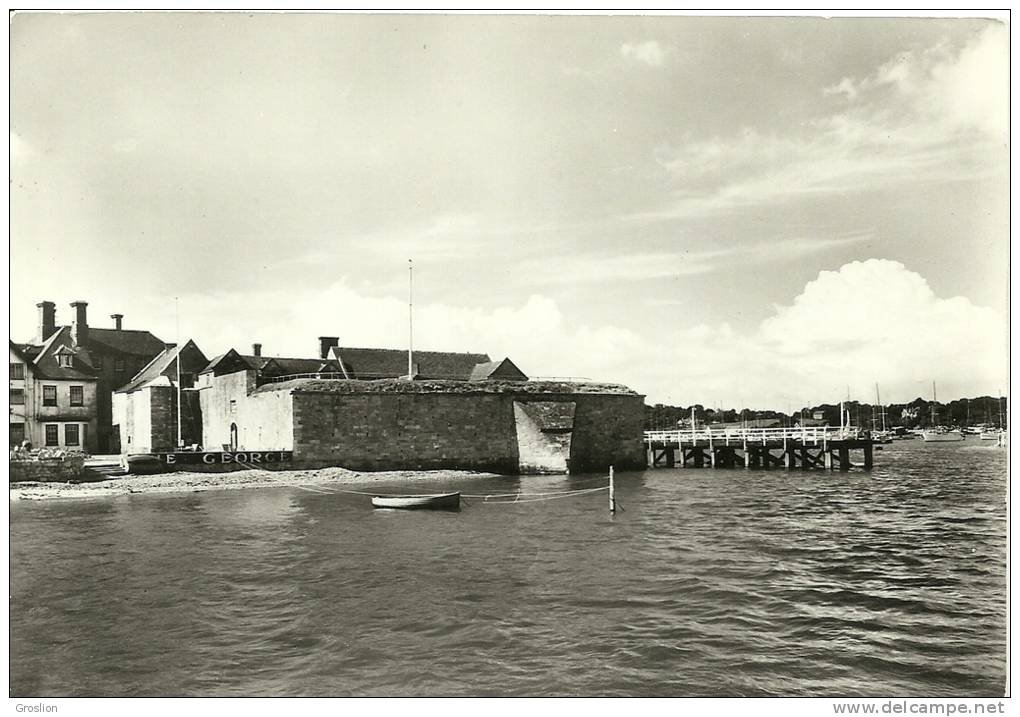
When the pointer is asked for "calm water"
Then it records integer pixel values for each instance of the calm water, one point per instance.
(710, 583)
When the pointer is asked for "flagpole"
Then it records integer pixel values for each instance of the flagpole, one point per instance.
(177, 315)
(410, 319)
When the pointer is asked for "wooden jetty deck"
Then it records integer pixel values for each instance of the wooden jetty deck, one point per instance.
(764, 448)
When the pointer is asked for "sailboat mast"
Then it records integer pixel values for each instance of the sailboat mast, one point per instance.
(410, 320)
(934, 402)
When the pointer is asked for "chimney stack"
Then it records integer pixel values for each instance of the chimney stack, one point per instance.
(256, 349)
(47, 319)
(80, 327)
(326, 343)
(117, 318)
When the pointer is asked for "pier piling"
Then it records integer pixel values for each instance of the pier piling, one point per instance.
(791, 449)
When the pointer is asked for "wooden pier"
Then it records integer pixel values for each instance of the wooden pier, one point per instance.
(763, 448)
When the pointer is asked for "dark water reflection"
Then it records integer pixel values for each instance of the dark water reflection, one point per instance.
(710, 583)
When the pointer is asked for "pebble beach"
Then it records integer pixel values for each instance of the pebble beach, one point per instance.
(190, 482)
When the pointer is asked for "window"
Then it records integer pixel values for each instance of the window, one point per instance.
(233, 407)
(17, 433)
(17, 397)
(118, 365)
(52, 435)
(97, 361)
(17, 371)
(64, 360)
(70, 434)
(77, 396)
(49, 396)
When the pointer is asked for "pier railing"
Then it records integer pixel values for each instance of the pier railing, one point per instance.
(808, 435)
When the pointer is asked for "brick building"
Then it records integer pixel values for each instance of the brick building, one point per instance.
(145, 409)
(112, 356)
(52, 395)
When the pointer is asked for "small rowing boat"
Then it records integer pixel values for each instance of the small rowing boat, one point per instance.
(435, 501)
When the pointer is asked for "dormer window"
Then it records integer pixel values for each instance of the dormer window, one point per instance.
(64, 357)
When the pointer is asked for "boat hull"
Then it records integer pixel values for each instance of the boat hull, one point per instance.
(443, 501)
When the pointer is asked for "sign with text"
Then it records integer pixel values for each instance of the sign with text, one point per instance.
(209, 458)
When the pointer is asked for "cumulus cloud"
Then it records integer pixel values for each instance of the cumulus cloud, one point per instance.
(649, 52)
(923, 115)
(877, 321)
(869, 322)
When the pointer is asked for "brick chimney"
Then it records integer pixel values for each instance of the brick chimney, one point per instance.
(47, 319)
(256, 349)
(80, 327)
(326, 343)
(117, 319)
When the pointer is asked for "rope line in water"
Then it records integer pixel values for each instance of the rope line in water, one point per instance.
(539, 500)
(528, 497)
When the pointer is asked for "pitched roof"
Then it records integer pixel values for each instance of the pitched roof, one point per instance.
(270, 365)
(280, 366)
(392, 363)
(19, 351)
(228, 362)
(29, 350)
(192, 361)
(505, 369)
(125, 341)
(46, 365)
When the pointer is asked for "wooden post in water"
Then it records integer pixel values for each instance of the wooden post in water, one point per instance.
(612, 492)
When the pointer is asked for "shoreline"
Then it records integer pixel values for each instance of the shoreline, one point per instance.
(193, 482)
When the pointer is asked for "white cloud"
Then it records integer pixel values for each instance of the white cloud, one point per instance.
(649, 52)
(869, 322)
(580, 268)
(928, 115)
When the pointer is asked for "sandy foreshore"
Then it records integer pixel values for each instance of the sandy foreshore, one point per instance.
(184, 482)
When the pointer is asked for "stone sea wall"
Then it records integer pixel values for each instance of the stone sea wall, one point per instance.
(48, 469)
(498, 431)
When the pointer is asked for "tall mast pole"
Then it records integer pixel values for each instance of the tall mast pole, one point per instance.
(177, 317)
(410, 319)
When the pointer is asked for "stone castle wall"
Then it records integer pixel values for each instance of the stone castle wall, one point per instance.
(499, 432)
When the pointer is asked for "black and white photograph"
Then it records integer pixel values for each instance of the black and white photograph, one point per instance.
(509, 354)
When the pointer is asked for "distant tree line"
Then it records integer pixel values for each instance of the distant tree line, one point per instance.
(963, 412)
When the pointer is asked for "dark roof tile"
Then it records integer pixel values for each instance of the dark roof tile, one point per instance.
(46, 366)
(392, 363)
(125, 341)
(164, 364)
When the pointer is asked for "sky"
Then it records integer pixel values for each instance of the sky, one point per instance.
(746, 212)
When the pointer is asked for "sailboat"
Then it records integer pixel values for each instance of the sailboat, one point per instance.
(879, 435)
(936, 433)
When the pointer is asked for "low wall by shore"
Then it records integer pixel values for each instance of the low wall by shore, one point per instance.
(47, 470)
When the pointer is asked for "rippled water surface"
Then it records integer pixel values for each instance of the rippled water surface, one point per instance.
(711, 582)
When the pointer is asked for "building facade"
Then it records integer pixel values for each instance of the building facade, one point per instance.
(113, 356)
(53, 396)
(145, 410)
